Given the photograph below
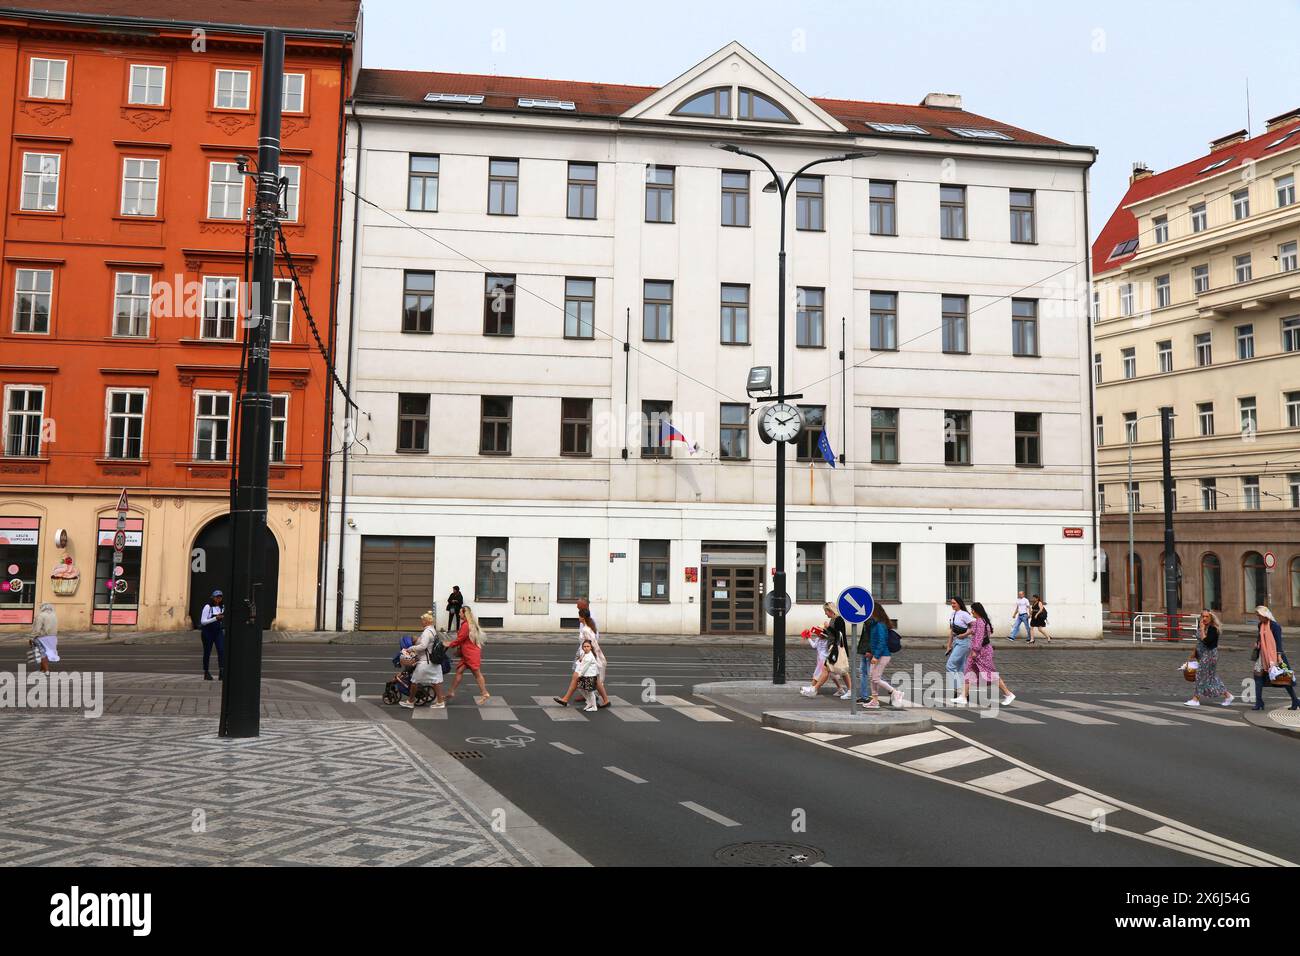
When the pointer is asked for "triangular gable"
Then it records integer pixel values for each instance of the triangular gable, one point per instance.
(735, 67)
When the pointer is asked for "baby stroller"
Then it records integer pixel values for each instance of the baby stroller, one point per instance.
(400, 685)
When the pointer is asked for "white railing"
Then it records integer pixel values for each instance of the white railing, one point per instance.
(1144, 627)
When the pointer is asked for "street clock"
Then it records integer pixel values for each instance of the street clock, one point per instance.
(782, 422)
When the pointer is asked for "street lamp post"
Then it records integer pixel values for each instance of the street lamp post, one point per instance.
(782, 190)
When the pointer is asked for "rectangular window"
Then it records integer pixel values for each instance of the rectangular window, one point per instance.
(292, 189)
(46, 79)
(1291, 334)
(1199, 219)
(1173, 421)
(1029, 428)
(1029, 568)
(1096, 367)
(1292, 401)
(491, 568)
(1286, 257)
(1101, 433)
(422, 183)
(810, 318)
(499, 305)
(413, 423)
(503, 187)
(735, 198)
(1241, 268)
(1205, 418)
(582, 191)
(1201, 279)
(220, 307)
(884, 436)
(295, 93)
(1285, 186)
(1160, 225)
(579, 308)
(211, 426)
(1024, 327)
(1129, 362)
(655, 417)
(657, 312)
(147, 85)
(282, 310)
(884, 571)
(1165, 355)
(1209, 495)
(659, 181)
(734, 312)
(733, 440)
(884, 208)
(1022, 215)
(125, 424)
(1204, 354)
(1101, 503)
(225, 191)
(1134, 497)
(574, 570)
(1249, 415)
(131, 303)
(232, 89)
(810, 577)
(1126, 299)
(956, 438)
(1162, 292)
(24, 416)
(652, 572)
(575, 427)
(494, 434)
(1246, 341)
(140, 187)
(884, 320)
(1293, 482)
(814, 423)
(954, 320)
(952, 212)
(1130, 427)
(279, 427)
(809, 201)
(33, 292)
(1250, 492)
(1241, 204)
(41, 182)
(1096, 306)
(957, 558)
(417, 301)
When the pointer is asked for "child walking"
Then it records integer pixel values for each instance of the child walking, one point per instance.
(588, 670)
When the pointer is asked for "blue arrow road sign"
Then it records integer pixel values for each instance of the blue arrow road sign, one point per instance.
(855, 604)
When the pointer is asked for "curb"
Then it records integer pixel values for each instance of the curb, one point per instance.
(879, 723)
(1264, 720)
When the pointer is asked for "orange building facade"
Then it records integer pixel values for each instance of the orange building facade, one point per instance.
(121, 297)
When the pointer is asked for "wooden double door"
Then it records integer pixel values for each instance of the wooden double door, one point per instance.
(733, 599)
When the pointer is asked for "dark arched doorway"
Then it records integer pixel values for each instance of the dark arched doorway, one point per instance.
(210, 569)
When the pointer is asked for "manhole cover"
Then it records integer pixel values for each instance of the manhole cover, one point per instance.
(467, 754)
(1289, 719)
(768, 854)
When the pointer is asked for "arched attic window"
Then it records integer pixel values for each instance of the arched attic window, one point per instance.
(714, 103)
(757, 107)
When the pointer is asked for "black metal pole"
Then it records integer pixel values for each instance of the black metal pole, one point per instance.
(1171, 559)
(778, 577)
(241, 692)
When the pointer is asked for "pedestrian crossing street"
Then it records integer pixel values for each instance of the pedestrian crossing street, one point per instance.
(500, 709)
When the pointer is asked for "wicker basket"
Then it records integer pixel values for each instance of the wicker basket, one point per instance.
(65, 587)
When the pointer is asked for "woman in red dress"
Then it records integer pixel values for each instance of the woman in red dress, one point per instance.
(470, 641)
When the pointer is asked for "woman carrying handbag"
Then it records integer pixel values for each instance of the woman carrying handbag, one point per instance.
(1272, 669)
(1203, 665)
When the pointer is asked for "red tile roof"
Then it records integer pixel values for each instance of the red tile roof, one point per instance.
(330, 15)
(1123, 225)
(609, 99)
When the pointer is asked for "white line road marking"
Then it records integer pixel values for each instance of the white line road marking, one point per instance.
(1133, 715)
(554, 711)
(623, 710)
(1196, 843)
(1071, 716)
(947, 760)
(1007, 780)
(946, 717)
(565, 747)
(1083, 806)
(890, 744)
(818, 735)
(693, 711)
(496, 708)
(1007, 717)
(1189, 713)
(429, 713)
(625, 775)
(522, 729)
(706, 812)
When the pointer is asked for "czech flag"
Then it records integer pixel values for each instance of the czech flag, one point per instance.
(668, 433)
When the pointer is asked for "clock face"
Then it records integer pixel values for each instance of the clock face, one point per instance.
(782, 422)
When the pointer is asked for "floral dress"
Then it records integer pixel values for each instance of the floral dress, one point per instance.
(980, 659)
(1208, 684)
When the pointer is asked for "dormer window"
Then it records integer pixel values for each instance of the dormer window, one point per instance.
(757, 107)
(714, 103)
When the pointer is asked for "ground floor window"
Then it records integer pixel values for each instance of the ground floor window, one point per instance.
(1295, 582)
(1105, 578)
(884, 571)
(124, 595)
(653, 567)
(19, 550)
(491, 567)
(574, 570)
(1029, 568)
(959, 571)
(1254, 579)
(1211, 581)
(810, 583)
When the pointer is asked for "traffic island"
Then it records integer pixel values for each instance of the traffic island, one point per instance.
(782, 706)
(1282, 720)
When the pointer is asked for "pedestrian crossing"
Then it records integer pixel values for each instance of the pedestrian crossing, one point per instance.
(499, 709)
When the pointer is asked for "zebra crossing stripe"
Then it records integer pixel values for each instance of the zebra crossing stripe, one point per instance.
(889, 745)
(1137, 716)
(554, 711)
(1071, 716)
(1006, 781)
(429, 713)
(623, 710)
(496, 708)
(693, 711)
(947, 760)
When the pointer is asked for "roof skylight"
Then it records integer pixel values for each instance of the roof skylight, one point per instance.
(471, 99)
(898, 128)
(1222, 162)
(970, 132)
(545, 103)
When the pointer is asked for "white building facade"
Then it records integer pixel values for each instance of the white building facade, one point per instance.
(544, 281)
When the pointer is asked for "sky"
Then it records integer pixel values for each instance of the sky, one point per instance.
(1148, 80)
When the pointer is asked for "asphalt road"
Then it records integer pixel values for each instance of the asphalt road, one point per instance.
(678, 784)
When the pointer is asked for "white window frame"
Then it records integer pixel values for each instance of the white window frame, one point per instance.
(42, 179)
(1130, 428)
(1248, 415)
(1288, 256)
(40, 419)
(1204, 349)
(131, 85)
(1128, 363)
(1205, 419)
(283, 422)
(1291, 333)
(1126, 299)
(19, 291)
(302, 94)
(133, 296)
(292, 192)
(1242, 270)
(224, 185)
(109, 415)
(1200, 218)
(276, 302)
(1198, 286)
(1160, 228)
(31, 79)
(1240, 204)
(1165, 355)
(1096, 367)
(1209, 494)
(1245, 338)
(141, 180)
(223, 283)
(207, 393)
(1164, 294)
(217, 91)
(1292, 408)
(1285, 189)
(1250, 496)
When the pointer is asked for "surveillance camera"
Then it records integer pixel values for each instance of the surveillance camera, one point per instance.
(241, 162)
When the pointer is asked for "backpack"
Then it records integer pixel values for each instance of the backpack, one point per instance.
(438, 653)
(893, 641)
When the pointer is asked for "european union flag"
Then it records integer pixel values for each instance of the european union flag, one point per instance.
(824, 446)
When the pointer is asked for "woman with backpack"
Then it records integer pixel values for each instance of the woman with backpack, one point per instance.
(979, 663)
(429, 652)
(1038, 619)
(470, 641)
(879, 651)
